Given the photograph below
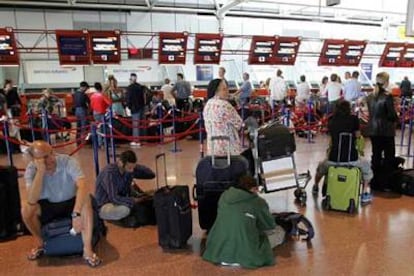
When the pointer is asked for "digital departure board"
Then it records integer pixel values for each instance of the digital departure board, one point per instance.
(262, 50)
(286, 50)
(73, 47)
(208, 48)
(331, 53)
(8, 49)
(105, 47)
(342, 52)
(172, 48)
(353, 51)
(397, 54)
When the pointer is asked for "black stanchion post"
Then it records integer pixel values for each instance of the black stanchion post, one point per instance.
(105, 140)
(95, 148)
(410, 131)
(175, 146)
(403, 112)
(160, 126)
(200, 132)
(309, 121)
(6, 140)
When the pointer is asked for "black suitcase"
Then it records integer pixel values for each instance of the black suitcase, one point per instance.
(274, 140)
(11, 222)
(173, 212)
(214, 175)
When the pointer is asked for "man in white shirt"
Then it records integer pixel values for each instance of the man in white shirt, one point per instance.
(167, 91)
(334, 91)
(302, 91)
(278, 88)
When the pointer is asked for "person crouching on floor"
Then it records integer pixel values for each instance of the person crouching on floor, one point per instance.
(244, 232)
(115, 186)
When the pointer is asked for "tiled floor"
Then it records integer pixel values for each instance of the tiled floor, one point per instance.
(377, 241)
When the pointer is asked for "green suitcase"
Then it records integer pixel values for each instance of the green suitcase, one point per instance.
(342, 192)
(343, 185)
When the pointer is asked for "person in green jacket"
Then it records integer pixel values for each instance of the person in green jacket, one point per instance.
(239, 236)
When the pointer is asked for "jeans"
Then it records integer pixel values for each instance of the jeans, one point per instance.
(139, 115)
(99, 119)
(81, 122)
(111, 211)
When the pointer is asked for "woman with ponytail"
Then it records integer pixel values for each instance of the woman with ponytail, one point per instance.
(381, 125)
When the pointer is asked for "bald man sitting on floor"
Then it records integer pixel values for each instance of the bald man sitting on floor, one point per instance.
(57, 188)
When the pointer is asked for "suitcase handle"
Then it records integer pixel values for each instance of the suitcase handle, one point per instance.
(157, 158)
(341, 135)
(213, 158)
(195, 192)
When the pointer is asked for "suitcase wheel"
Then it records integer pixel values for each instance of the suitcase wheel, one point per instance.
(300, 195)
(352, 207)
(326, 203)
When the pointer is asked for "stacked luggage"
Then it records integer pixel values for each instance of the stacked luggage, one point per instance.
(214, 175)
(275, 163)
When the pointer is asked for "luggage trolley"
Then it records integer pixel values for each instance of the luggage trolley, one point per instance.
(274, 147)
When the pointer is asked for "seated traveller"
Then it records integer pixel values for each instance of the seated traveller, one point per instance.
(343, 122)
(57, 188)
(244, 232)
(115, 186)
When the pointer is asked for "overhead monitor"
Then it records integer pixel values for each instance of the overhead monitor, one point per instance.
(331, 53)
(105, 47)
(8, 49)
(73, 47)
(286, 49)
(262, 50)
(393, 55)
(208, 48)
(352, 54)
(342, 52)
(172, 48)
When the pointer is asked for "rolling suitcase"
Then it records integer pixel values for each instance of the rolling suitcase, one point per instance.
(11, 223)
(57, 241)
(343, 184)
(214, 175)
(172, 211)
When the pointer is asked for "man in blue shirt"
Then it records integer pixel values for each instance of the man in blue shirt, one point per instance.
(115, 183)
(352, 88)
(57, 188)
(245, 89)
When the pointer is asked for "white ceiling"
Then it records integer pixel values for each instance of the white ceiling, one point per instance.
(369, 10)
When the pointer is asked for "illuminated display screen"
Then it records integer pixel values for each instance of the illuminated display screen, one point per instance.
(208, 48)
(262, 50)
(172, 48)
(73, 47)
(105, 47)
(286, 50)
(336, 52)
(397, 55)
(8, 50)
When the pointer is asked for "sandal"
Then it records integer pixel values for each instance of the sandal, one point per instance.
(36, 253)
(92, 261)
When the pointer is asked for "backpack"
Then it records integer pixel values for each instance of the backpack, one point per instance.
(295, 225)
(404, 182)
(143, 213)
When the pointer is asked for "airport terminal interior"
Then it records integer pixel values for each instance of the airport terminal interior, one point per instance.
(48, 47)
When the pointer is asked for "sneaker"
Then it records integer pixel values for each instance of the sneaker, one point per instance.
(366, 198)
(315, 190)
(134, 144)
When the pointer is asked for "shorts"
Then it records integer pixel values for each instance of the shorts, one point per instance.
(363, 165)
(54, 210)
